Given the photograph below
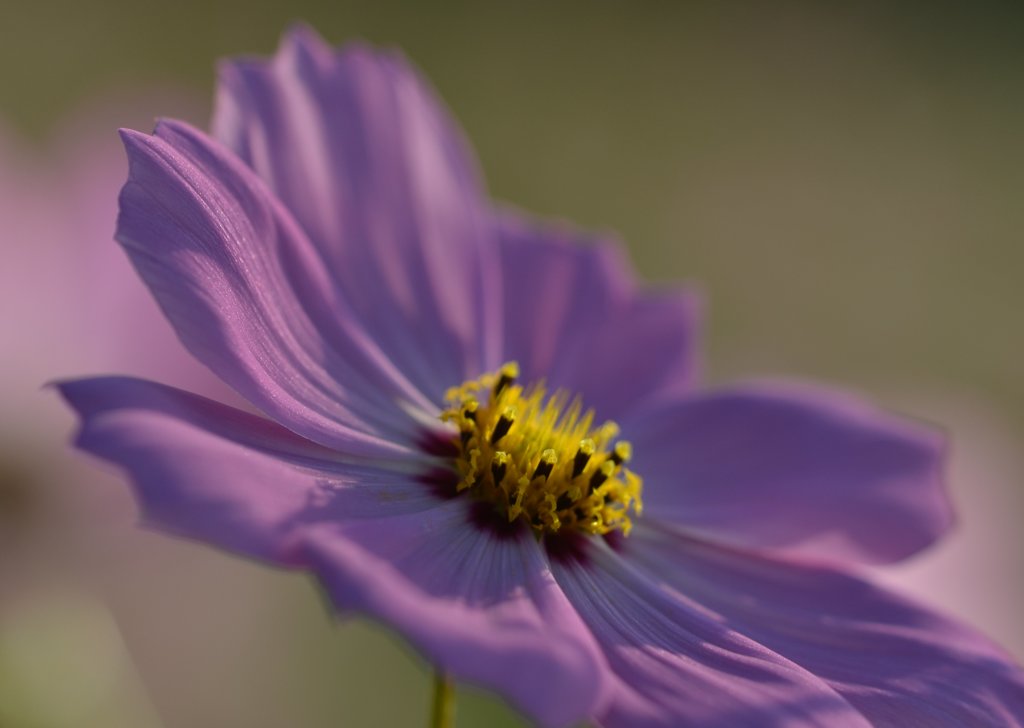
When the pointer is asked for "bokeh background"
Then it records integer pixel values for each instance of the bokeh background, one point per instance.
(844, 183)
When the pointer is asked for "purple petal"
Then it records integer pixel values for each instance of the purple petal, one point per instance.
(575, 317)
(249, 297)
(357, 146)
(210, 472)
(783, 467)
(480, 605)
(676, 664)
(897, 663)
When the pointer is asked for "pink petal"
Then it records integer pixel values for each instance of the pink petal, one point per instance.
(797, 469)
(235, 480)
(360, 150)
(896, 662)
(250, 298)
(480, 605)
(675, 664)
(576, 317)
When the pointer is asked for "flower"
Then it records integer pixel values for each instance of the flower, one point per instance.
(331, 255)
(70, 302)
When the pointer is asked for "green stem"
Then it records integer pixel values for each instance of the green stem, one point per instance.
(442, 715)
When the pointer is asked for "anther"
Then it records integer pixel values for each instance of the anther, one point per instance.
(508, 374)
(539, 459)
(608, 431)
(548, 459)
(504, 424)
(622, 452)
(583, 456)
(499, 466)
(602, 474)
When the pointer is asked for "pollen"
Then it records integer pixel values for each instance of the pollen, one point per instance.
(540, 458)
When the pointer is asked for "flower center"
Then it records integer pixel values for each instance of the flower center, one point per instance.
(540, 458)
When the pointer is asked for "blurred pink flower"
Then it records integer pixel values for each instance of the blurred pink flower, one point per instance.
(69, 299)
(68, 296)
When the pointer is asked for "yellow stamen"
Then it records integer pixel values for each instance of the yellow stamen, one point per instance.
(540, 457)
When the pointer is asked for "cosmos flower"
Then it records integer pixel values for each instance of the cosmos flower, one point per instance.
(483, 432)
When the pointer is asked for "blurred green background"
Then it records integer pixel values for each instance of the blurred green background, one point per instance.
(844, 182)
